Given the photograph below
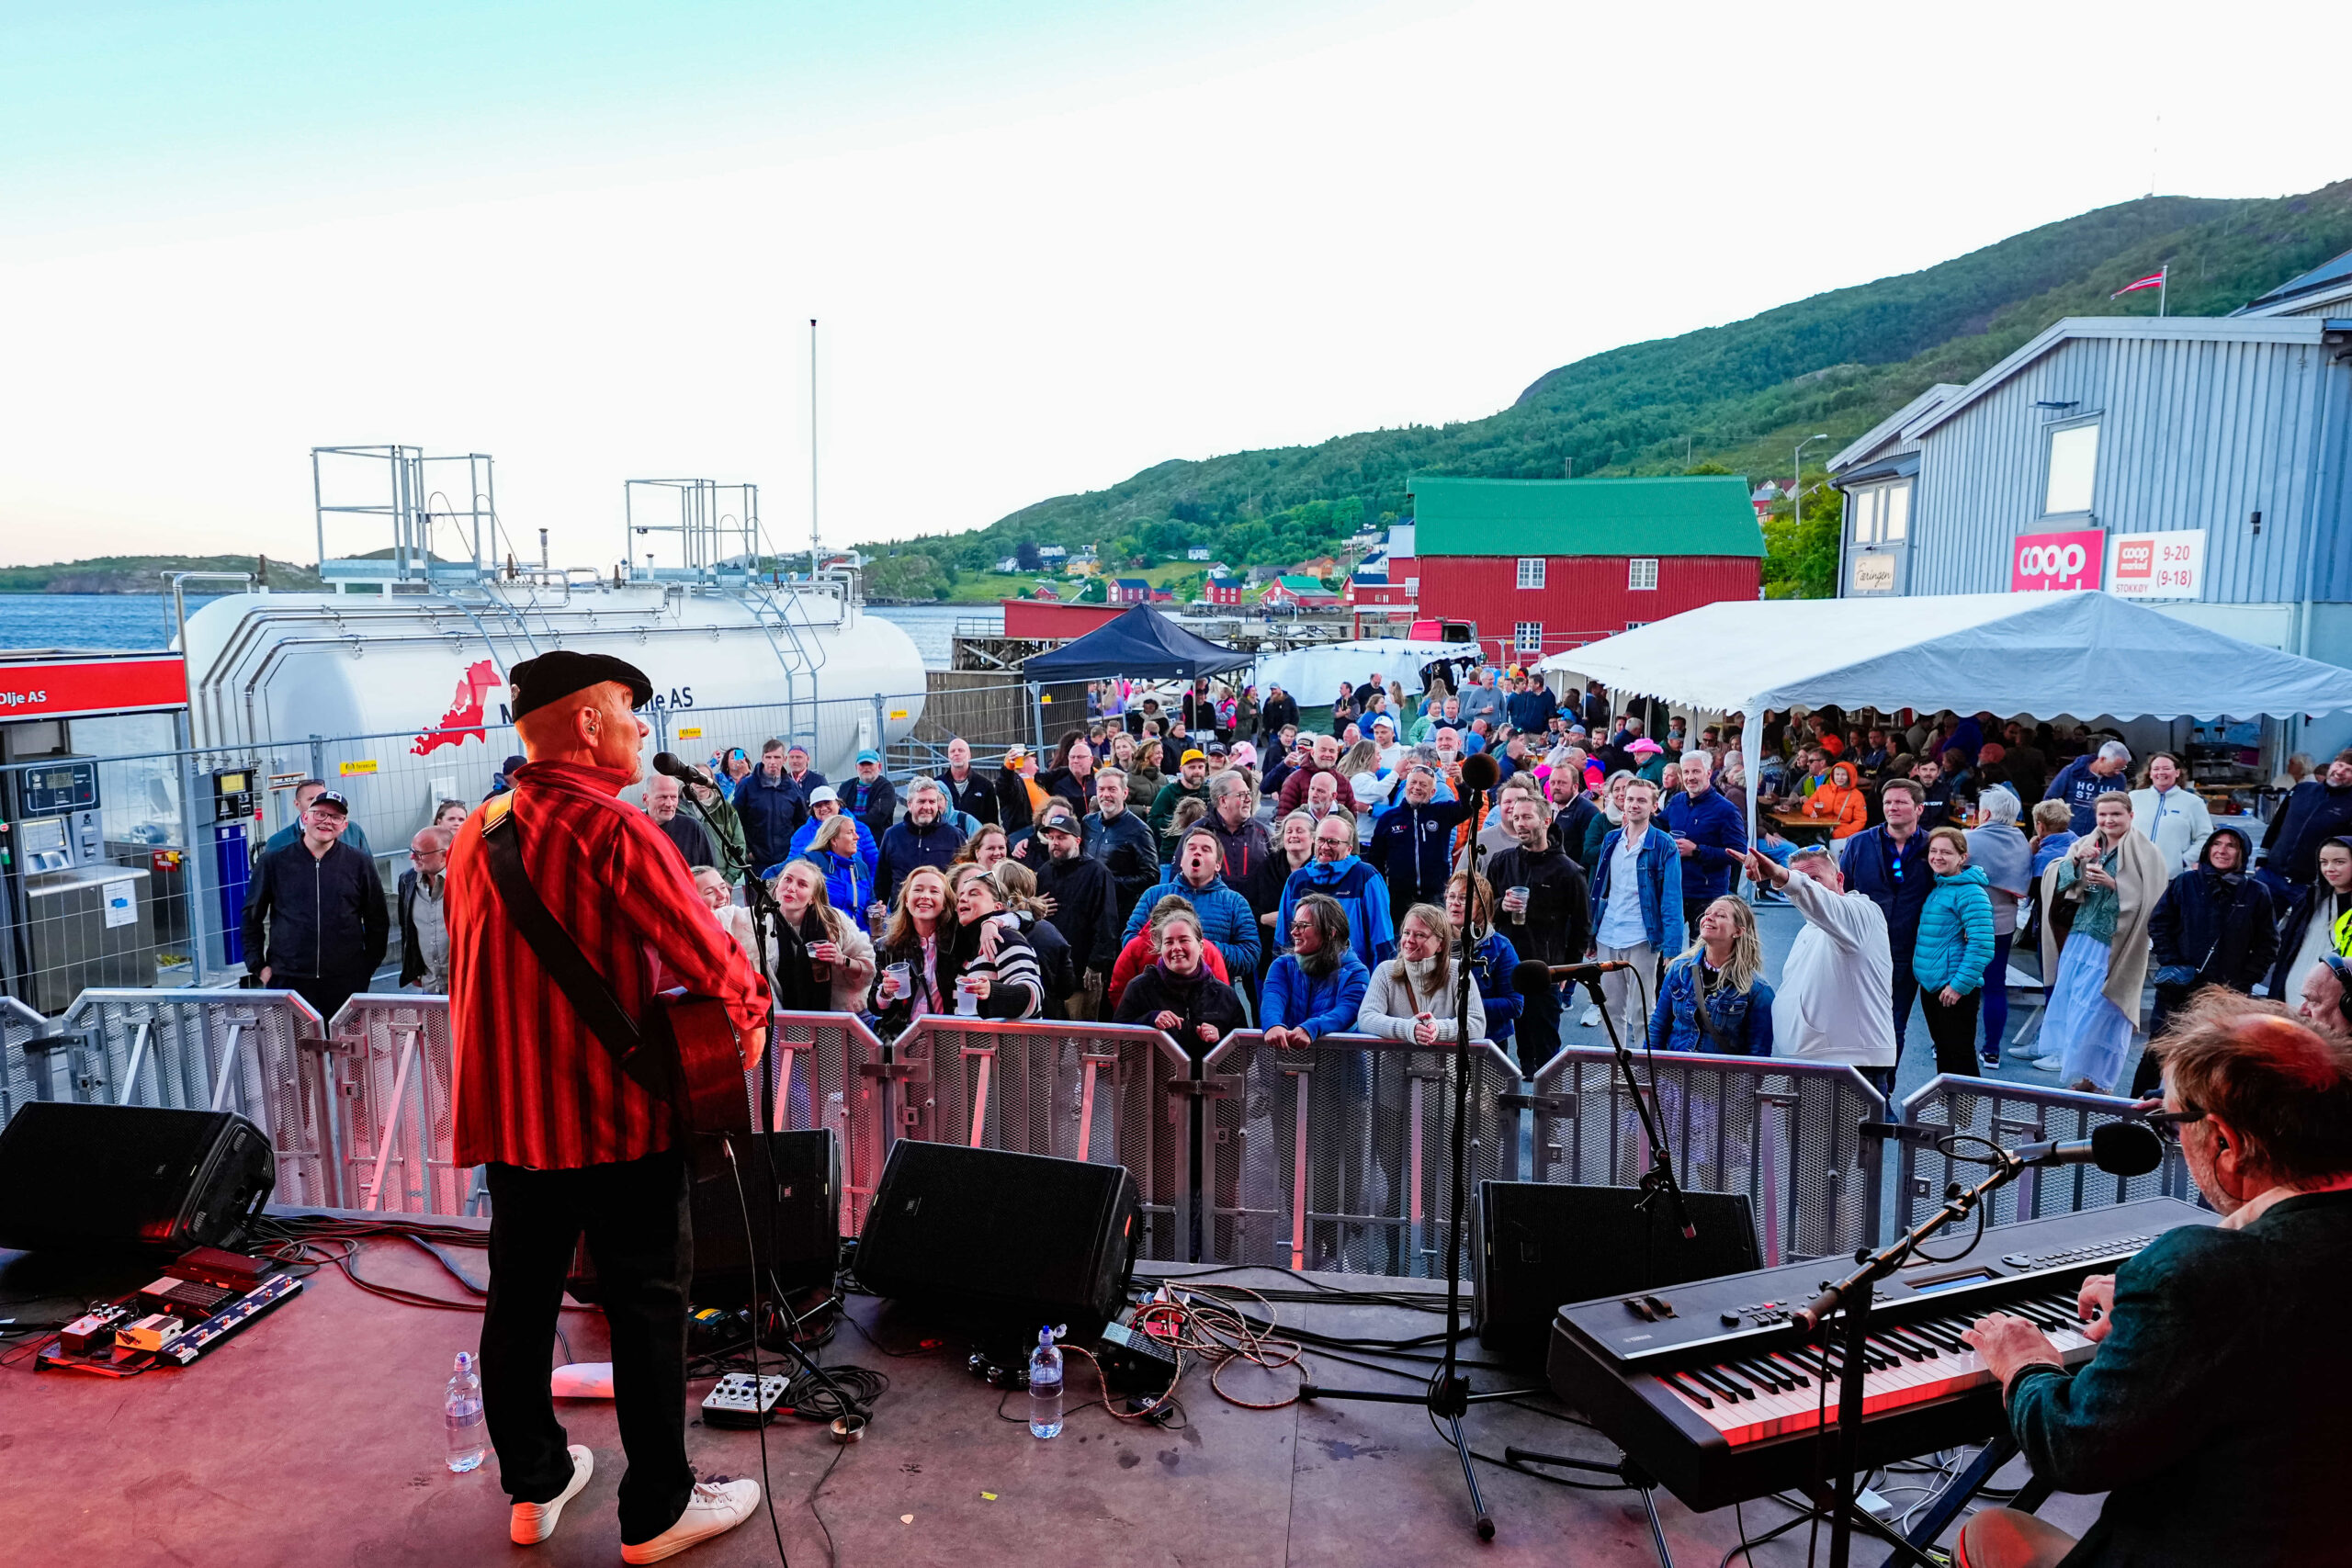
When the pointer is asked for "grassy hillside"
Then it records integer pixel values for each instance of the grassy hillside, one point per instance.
(1736, 395)
(147, 574)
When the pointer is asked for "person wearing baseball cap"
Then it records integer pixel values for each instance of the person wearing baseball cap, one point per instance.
(1192, 779)
(305, 793)
(315, 918)
(1086, 901)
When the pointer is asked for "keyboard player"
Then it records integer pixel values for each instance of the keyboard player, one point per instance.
(2215, 1412)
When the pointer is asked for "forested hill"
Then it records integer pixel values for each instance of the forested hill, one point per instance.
(1736, 395)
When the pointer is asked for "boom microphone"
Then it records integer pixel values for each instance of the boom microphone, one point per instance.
(1480, 773)
(2120, 1148)
(1575, 973)
(684, 772)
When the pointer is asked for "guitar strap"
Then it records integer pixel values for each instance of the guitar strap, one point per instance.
(643, 1056)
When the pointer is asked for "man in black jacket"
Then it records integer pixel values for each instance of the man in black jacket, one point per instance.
(2316, 811)
(2209, 1415)
(1121, 840)
(967, 791)
(771, 806)
(1410, 842)
(424, 914)
(1241, 839)
(315, 920)
(1552, 924)
(1280, 708)
(2215, 920)
(924, 838)
(1085, 902)
(870, 797)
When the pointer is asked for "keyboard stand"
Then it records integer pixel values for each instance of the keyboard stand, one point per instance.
(1624, 1469)
(1947, 1505)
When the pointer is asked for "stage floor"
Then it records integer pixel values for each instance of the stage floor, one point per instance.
(314, 1437)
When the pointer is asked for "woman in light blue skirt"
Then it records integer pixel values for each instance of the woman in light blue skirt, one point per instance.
(2109, 883)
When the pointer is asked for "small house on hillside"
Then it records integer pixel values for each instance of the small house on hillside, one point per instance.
(1130, 591)
(1300, 593)
(1198, 552)
(1224, 588)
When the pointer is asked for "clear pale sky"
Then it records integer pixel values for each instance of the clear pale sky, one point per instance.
(1050, 244)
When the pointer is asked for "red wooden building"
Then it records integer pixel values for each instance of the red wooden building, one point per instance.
(1545, 565)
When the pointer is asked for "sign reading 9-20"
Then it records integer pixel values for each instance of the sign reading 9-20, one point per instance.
(2169, 565)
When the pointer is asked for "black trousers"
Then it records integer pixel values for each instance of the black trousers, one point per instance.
(1537, 1034)
(325, 993)
(1906, 986)
(636, 1218)
(1954, 1029)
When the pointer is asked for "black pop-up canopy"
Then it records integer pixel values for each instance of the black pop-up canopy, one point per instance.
(1143, 644)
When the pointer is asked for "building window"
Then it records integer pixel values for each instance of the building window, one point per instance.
(1530, 571)
(2072, 465)
(1527, 637)
(1641, 573)
(1881, 514)
(1896, 522)
(1636, 625)
(1413, 586)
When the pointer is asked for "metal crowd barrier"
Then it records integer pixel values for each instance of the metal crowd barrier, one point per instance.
(24, 1064)
(1338, 1157)
(1783, 1132)
(398, 1133)
(261, 1053)
(1108, 1093)
(2010, 1115)
(826, 1069)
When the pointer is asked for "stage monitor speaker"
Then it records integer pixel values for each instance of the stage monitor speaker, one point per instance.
(1008, 1240)
(123, 1177)
(792, 1188)
(1541, 1246)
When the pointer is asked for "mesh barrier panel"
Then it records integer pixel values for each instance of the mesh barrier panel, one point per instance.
(1095, 1092)
(1785, 1132)
(261, 1053)
(398, 1133)
(1339, 1156)
(2010, 1115)
(821, 1070)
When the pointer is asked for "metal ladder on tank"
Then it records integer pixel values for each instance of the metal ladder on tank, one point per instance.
(792, 653)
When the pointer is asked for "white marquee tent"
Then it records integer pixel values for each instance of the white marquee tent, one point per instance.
(1312, 676)
(2041, 654)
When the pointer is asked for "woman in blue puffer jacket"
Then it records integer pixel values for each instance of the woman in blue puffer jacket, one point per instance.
(1715, 997)
(1315, 989)
(1954, 945)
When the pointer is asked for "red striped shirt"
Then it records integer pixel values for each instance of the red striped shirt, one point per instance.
(534, 1087)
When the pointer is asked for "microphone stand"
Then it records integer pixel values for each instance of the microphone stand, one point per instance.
(1852, 1299)
(1660, 1178)
(1449, 1395)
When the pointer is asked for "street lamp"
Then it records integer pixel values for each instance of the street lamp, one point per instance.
(1796, 480)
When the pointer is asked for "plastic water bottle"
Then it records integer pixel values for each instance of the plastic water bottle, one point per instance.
(1046, 1387)
(469, 1434)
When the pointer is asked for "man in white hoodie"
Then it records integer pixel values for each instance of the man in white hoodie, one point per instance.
(1831, 1006)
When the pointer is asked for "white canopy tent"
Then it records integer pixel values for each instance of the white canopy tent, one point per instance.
(2042, 654)
(1312, 676)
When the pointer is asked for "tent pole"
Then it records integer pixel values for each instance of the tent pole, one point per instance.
(1751, 752)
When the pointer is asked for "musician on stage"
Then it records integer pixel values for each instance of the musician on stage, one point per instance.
(571, 1143)
(2213, 1411)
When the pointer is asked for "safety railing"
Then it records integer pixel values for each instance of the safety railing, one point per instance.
(397, 1083)
(2009, 1114)
(1338, 1157)
(24, 1063)
(1109, 1094)
(827, 1070)
(260, 1054)
(1781, 1130)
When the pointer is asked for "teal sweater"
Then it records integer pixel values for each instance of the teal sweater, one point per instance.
(1955, 933)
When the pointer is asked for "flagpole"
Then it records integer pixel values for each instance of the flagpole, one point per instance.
(2163, 286)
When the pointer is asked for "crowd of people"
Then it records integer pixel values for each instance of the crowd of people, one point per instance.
(1219, 860)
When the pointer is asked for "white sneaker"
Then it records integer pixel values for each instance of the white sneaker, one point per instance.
(1592, 1018)
(534, 1522)
(714, 1508)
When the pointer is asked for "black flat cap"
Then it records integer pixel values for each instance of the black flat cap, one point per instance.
(536, 683)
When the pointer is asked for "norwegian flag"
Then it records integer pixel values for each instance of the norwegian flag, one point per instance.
(2153, 280)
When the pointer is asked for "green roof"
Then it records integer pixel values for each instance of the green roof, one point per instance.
(1705, 515)
(1303, 584)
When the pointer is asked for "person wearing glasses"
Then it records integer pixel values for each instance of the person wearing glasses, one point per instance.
(424, 921)
(2209, 1415)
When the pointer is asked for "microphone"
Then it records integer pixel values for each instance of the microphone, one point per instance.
(1480, 772)
(2120, 1148)
(684, 772)
(1575, 973)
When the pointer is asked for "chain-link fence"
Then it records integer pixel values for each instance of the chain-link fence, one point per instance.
(1339, 1156)
(1785, 1132)
(2010, 1115)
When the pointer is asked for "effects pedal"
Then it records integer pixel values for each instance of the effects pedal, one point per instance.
(239, 1272)
(149, 1333)
(1133, 1361)
(191, 1299)
(735, 1402)
(92, 1335)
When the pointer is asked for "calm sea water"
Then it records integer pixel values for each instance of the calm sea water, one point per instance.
(144, 620)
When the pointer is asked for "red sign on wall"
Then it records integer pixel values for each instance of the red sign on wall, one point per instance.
(68, 689)
(2042, 563)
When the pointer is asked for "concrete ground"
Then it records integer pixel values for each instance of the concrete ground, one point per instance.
(315, 1439)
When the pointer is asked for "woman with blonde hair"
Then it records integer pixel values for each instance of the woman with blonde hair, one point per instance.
(1715, 997)
(985, 849)
(1363, 757)
(1412, 996)
(916, 952)
(2097, 900)
(822, 962)
(849, 879)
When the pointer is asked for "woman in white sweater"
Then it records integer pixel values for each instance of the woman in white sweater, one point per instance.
(2171, 814)
(1412, 996)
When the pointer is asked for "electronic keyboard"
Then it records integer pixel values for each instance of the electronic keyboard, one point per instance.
(1711, 1387)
